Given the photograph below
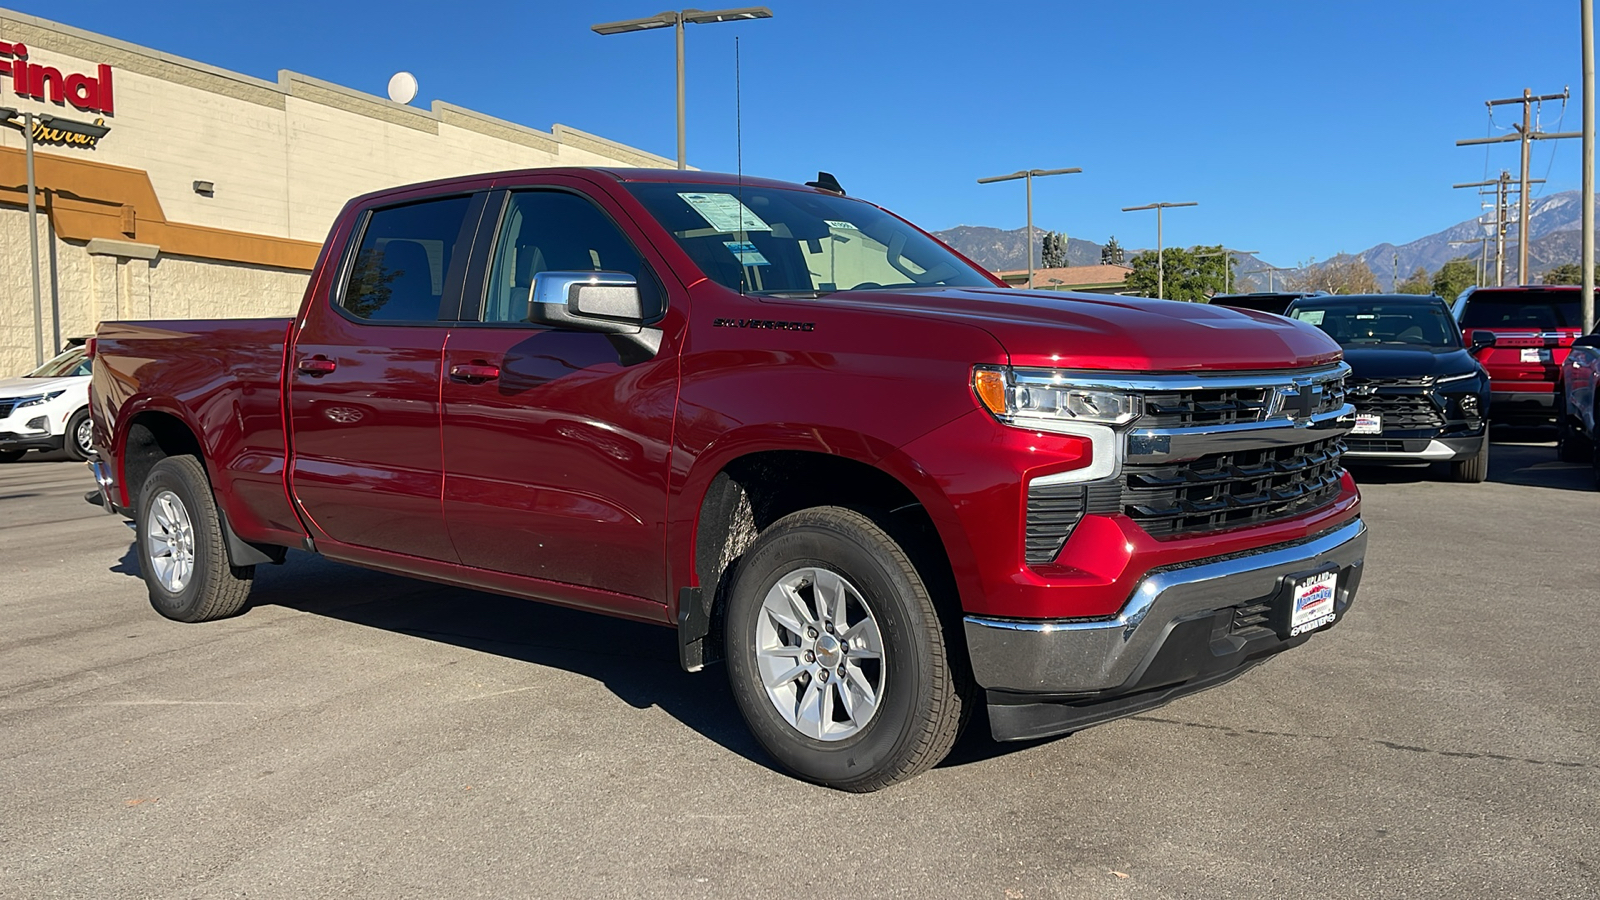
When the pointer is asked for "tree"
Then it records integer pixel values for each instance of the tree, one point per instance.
(1344, 274)
(1192, 274)
(1568, 273)
(1053, 254)
(1418, 283)
(1111, 253)
(1454, 277)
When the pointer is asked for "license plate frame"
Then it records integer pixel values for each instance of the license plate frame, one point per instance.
(1308, 602)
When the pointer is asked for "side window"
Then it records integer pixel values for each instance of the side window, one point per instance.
(403, 262)
(554, 231)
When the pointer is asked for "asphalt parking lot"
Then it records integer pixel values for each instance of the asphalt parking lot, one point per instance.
(360, 735)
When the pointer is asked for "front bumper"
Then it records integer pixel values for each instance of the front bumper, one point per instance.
(1185, 629)
(104, 483)
(46, 441)
(1404, 450)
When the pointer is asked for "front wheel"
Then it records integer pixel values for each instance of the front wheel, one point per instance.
(79, 442)
(1571, 445)
(181, 551)
(836, 654)
(1475, 468)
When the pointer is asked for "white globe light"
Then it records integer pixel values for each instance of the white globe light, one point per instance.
(403, 87)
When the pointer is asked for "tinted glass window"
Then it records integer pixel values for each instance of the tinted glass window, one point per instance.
(402, 265)
(1526, 310)
(1425, 325)
(554, 231)
(767, 240)
(72, 362)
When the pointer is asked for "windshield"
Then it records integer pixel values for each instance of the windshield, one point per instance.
(764, 240)
(1525, 310)
(72, 362)
(1407, 324)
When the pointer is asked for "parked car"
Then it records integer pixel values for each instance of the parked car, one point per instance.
(1419, 394)
(1274, 302)
(47, 409)
(880, 484)
(1533, 327)
(1578, 431)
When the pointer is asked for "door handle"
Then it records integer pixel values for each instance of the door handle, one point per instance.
(474, 373)
(316, 366)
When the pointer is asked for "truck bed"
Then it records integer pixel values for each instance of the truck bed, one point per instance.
(222, 378)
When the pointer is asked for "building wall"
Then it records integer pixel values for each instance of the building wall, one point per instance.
(284, 157)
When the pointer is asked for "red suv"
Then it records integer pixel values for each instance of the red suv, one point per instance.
(1526, 333)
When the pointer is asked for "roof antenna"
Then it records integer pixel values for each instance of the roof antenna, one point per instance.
(826, 182)
(738, 156)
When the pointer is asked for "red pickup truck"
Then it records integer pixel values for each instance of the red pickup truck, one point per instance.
(879, 484)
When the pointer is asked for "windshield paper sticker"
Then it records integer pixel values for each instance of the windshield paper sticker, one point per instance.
(725, 213)
(1310, 316)
(746, 252)
(840, 226)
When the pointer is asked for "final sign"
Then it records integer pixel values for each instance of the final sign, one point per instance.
(91, 93)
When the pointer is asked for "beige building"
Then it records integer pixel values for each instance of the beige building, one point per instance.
(206, 192)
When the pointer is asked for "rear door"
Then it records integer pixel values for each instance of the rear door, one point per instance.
(555, 452)
(1534, 330)
(364, 380)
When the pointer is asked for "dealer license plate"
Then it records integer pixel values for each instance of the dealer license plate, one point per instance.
(1368, 425)
(1312, 603)
(1535, 355)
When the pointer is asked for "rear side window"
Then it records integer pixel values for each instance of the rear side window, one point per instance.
(1522, 310)
(403, 264)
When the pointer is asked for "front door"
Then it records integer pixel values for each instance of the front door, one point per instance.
(364, 382)
(555, 452)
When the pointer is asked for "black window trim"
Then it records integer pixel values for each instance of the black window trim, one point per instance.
(458, 268)
(477, 282)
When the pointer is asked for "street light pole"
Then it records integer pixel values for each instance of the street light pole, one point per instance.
(676, 20)
(1029, 175)
(1161, 269)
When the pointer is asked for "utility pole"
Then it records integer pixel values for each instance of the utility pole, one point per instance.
(1586, 20)
(1502, 192)
(1029, 175)
(1526, 135)
(1161, 268)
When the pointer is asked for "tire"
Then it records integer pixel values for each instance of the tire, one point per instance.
(894, 650)
(1474, 469)
(180, 544)
(11, 456)
(78, 440)
(1571, 445)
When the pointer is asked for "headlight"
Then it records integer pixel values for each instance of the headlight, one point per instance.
(1446, 379)
(1049, 400)
(38, 399)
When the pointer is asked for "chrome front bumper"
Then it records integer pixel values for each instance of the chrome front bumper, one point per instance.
(103, 481)
(1086, 657)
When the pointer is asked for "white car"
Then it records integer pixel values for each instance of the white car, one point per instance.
(47, 409)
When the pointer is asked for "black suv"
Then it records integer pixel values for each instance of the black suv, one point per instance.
(1264, 301)
(1420, 394)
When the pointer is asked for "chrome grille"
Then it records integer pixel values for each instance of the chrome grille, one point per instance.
(1177, 402)
(1232, 490)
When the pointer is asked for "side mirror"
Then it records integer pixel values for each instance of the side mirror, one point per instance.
(1481, 340)
(601, 302)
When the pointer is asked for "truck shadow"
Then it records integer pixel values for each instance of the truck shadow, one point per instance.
(636, 662)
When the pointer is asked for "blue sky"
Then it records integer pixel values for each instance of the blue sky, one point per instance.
(1302, 129)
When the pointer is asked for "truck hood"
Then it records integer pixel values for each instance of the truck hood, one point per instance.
(1104, 331)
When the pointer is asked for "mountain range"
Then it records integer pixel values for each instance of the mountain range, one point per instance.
(1555, 219)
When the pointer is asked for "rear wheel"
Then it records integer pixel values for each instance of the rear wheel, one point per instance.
(836, 654)
(181, 551)
(79, 442)
(1571, 445)
(1474, 469)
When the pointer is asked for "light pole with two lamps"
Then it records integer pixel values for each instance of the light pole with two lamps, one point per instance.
(1161, 271)
(1030, 175)
(676, 20)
